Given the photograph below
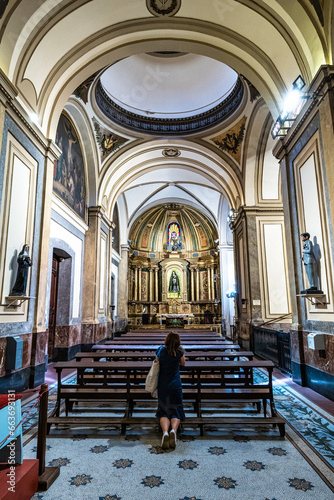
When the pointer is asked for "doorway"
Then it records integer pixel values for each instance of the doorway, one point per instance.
(53, 305)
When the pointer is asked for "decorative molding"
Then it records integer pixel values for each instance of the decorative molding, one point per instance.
(81, 92)
(171, 152)
(106, 140)
(163, 8)
(165, 126)
(231, 141)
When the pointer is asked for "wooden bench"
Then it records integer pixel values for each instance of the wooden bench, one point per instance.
(150, 355)
(200, 422)
(120, 341)
(153, 347)
(123, 382)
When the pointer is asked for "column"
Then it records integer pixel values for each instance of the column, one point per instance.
(192, 284)
(226, 259)
(52, 154)
(151, 284)
(136, 284)
(197, 284)
(185, 284)
(156, 270)
(209, 283)
(112, 226)
(123, 288)
(139, 284)
(39, 332)
(213, 293)
(131, 283)
(91, 275)
(164, 274)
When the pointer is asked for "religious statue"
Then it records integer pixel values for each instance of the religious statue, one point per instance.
(310, 264)
(24, 262)
(174, 284)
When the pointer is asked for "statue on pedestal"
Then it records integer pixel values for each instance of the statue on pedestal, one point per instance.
(310, 264)
(24, 262)
(174, 283)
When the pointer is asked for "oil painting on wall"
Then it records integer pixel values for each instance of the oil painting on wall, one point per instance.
(69, 171)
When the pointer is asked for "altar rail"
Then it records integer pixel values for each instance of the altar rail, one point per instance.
(272, 345)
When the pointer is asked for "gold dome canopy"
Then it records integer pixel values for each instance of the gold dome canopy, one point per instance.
(149, 232)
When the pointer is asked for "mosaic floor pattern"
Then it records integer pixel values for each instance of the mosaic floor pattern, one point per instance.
(236, 463)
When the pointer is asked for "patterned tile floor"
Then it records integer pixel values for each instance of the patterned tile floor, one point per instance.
(238, 464)
(241, 464)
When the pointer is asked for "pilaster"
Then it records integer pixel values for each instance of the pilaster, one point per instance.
(52, 154)
(123, 288)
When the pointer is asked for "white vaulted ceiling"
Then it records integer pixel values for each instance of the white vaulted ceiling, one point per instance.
(158, 84)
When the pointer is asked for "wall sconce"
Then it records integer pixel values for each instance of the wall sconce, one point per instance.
(291, 107)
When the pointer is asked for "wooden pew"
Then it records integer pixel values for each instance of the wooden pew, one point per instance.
(130, 389)
(161, 341)
(154, 347)
(150, 355)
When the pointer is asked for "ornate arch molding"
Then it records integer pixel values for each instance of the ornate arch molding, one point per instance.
(196, 36)
(116, 179)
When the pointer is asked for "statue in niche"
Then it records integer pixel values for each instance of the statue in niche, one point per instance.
(24, 262)
(174, 283)
(310, 264)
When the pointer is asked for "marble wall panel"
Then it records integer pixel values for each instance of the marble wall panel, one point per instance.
(27, 342)
(3, 344)
(317, 359)
(101, 332)
(294, 346)
(68, 336)
(41, 340)
(87, 333)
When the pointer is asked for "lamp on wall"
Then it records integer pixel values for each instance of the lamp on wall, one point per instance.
(291, 107)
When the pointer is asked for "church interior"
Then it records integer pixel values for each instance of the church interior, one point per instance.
(167, 166)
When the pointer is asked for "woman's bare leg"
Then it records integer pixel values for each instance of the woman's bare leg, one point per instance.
(175, 423)
(165, 423)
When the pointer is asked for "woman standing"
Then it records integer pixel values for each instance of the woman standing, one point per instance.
(170, 400)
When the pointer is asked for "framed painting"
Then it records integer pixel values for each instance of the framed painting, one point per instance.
(69, 180)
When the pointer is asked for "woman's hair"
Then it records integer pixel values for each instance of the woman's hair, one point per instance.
(172, 342)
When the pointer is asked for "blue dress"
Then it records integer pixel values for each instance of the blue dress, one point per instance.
(170, 399)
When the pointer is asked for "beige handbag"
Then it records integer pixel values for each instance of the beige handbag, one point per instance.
(151, 384)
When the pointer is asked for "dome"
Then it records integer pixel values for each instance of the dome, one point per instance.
(149, 232)
(153, 84)
(168, 93)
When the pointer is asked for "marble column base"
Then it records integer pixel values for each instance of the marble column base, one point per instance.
(121, 325)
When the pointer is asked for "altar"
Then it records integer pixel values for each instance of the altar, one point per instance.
(174, 317)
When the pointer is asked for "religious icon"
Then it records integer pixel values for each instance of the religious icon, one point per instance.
(174, 237)
(310, 264)
(174, 284)
(24, 262)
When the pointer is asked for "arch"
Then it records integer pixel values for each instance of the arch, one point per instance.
(291, 43)
(131, 166)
